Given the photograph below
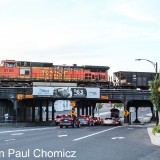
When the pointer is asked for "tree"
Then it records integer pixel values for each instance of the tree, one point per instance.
(155, 94)
(118, 105)
(99, 105)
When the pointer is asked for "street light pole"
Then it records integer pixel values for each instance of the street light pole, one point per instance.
(155, 65)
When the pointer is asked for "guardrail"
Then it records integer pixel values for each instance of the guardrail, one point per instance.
(10, 119)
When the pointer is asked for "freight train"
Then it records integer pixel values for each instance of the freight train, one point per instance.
(133, 80)
(24, 73)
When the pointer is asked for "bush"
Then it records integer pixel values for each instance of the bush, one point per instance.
(156, 129)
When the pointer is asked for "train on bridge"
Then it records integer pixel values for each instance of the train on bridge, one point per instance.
(21, 73)
(25, 73)
(133, 80)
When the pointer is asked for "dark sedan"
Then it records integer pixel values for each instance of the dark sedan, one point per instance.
(69, 120)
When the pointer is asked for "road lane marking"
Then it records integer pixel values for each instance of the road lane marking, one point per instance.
(17, 134)
(62, 131)
(7, 140)
(25, 130)
(63, 135)
(77, 139)
(118, 138)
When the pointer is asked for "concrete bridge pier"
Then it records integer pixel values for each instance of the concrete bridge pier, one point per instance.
(33, 112)
(46, 110)
(78, 111)
(90, 110)
(126, 118)
(93, 108)
(136, 120)
(15, 103)
(53, 111)
(86, 110)
(82, 110)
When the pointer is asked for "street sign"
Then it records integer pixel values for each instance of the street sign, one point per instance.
(125, 113)
(104, 97)
(28, 96)
(72, 112)
(20, 96)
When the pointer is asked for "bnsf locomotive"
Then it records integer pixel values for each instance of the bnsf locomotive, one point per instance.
(24, 73)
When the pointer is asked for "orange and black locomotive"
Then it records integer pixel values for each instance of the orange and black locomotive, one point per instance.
(24, 73)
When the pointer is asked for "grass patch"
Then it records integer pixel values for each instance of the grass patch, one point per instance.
(156, 129)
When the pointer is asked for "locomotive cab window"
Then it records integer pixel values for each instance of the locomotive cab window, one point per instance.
(2, 63)
(10, 64)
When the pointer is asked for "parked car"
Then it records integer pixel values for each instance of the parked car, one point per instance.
(111, 121)
(69, 120)
(97, 120)
(86, 120)
(58, 119)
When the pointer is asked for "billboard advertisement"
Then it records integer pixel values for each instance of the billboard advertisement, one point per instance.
(66, 92)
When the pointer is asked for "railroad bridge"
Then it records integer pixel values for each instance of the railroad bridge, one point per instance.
(22, 103)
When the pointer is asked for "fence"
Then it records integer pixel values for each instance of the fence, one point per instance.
(9, 119)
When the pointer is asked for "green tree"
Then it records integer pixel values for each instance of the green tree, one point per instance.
(155, 96)
(99, 105)
(118, 105)
(155, 93)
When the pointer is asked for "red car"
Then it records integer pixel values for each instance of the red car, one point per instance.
(58, 119)
(97, 120)
(69, 120)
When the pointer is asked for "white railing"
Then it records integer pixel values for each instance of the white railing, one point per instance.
(4, 119)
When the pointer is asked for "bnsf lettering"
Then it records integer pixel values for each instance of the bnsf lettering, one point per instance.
(8, 70)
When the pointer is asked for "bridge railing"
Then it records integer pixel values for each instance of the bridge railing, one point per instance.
(125, 93)
(16, 90)
(128, 91)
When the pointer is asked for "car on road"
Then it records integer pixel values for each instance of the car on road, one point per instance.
(86, 120)
(97, 120)
(58, 119)
(111, 121)
(69, 120)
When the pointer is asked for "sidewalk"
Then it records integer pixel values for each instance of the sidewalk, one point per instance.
(155, 139)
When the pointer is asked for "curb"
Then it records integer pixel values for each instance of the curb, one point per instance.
(125, 124)
(154, 139)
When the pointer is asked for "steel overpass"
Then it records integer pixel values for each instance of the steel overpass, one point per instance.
(21, 103)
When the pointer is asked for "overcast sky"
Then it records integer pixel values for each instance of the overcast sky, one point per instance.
(84, 32)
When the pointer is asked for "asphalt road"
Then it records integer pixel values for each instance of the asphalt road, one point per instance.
(92, 143)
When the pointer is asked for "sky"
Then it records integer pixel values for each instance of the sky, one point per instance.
(84, 32)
